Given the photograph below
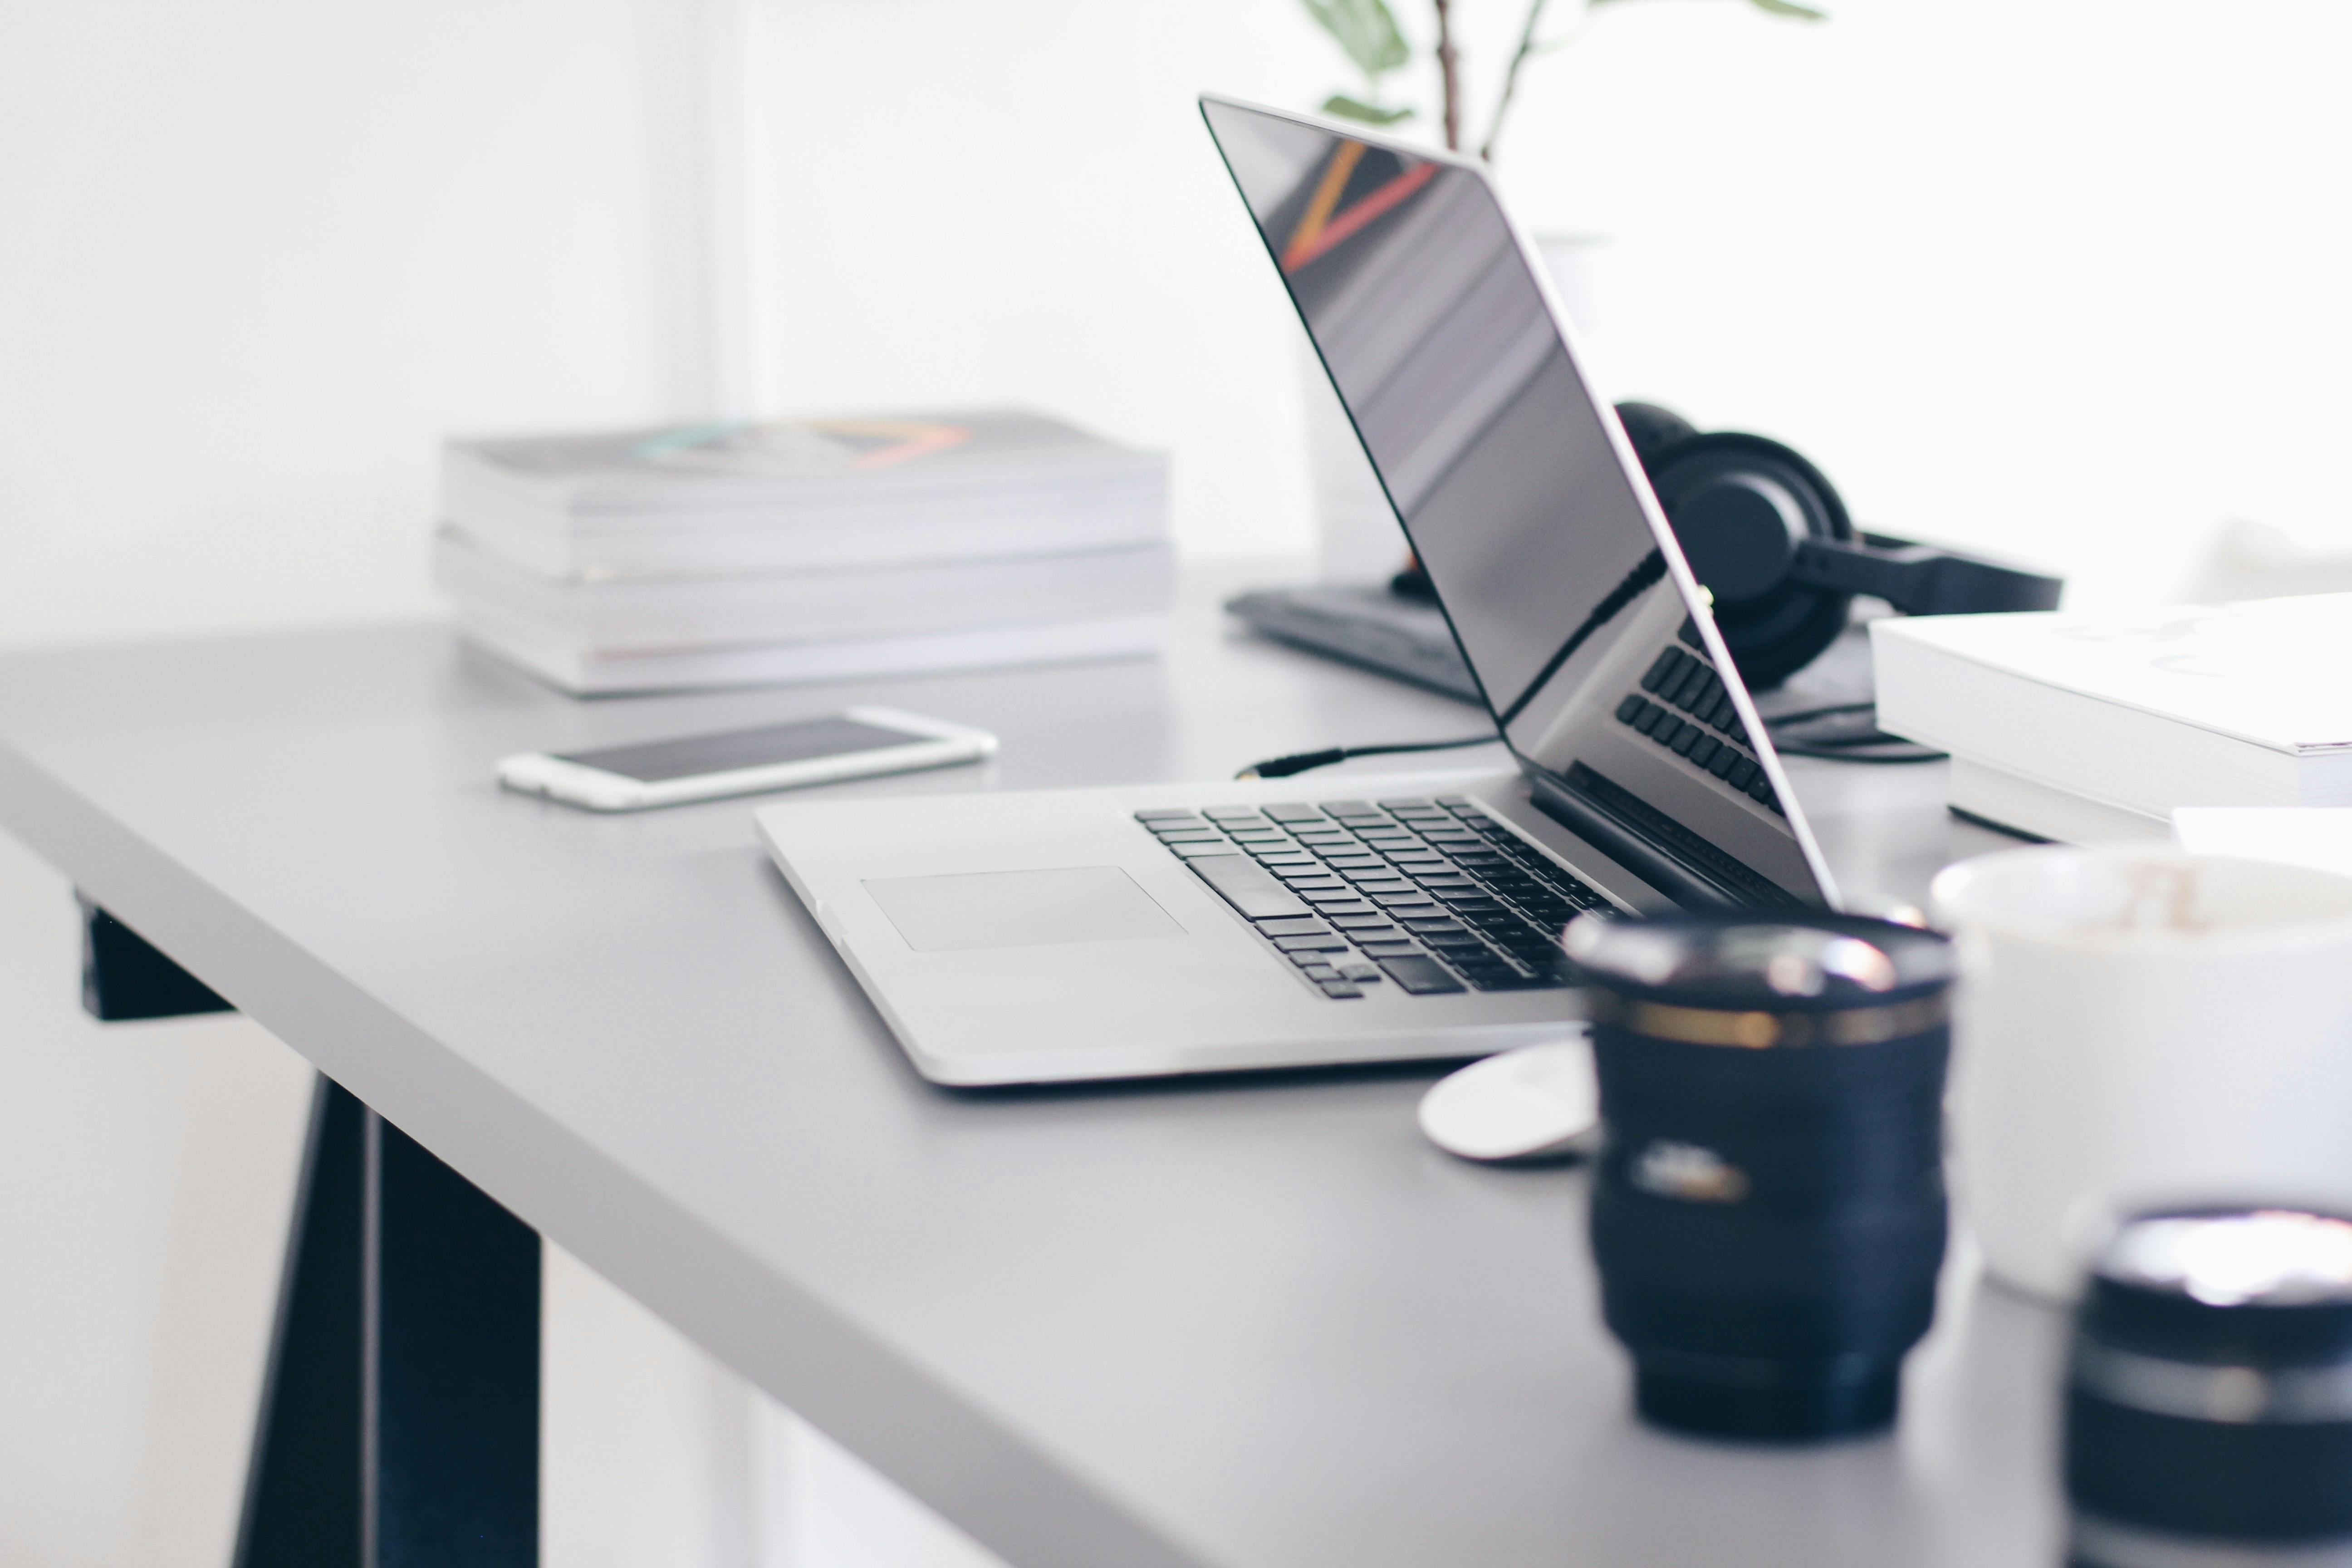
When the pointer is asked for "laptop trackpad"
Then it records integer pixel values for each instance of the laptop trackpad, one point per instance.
(1020, 909)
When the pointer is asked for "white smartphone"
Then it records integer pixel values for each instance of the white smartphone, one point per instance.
(855, 744)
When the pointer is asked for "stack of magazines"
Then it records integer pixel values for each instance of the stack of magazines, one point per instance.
(741, 553)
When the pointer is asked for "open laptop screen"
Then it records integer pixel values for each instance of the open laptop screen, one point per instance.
(1506, 476)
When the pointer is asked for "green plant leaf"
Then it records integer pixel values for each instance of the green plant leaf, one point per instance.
(1367, 30)
(1341, 106)
(1789, 8)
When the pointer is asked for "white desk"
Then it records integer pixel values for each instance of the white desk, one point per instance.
(1248, 1323)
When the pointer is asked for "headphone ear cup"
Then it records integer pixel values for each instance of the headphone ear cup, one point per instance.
(1772, 627)
(1654, 431)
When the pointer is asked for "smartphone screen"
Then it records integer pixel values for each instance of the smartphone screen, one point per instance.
(698, 754)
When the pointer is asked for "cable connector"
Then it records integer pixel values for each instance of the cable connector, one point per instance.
(1302, 761)
(1282, 767)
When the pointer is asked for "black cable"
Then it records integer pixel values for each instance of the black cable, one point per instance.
(1775, 720)
(1830, 749)
(1302, 761)
(1859, 757)
(1835, 747)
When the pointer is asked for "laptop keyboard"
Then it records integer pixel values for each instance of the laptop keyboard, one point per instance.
(1712, 738)
(1431, 897)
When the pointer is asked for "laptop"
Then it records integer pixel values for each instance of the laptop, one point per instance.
(1122, 932)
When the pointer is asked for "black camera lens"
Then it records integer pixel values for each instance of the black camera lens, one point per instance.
(1768, 1209)
(2209, 1405)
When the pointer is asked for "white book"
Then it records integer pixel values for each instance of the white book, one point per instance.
(1128, 510)
(721, 472)
(2244, 704)
(2001, 799)
(589, 674)
(675, 614)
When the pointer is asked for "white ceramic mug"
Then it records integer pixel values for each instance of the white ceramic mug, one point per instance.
(2137, 1027)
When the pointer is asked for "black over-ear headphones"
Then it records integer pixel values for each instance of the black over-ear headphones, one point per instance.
(1767, 534)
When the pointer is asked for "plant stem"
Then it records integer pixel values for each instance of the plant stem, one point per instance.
(1510, 77)
(1449, 71)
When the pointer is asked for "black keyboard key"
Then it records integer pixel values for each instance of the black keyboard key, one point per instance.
(1689, 735)
(1316, 968)
(1301, 927)
(1248, 887)
(1668, 661)
(1171, 813)
(1702, 751)
(1457, 800)
(1326, 943)
(1362, 923)
(1420, 976)
(1516, 982)
(1358, 973)
(1310, 959)
(1281, 857)
(1339, 893)
(1760, 787)
(1743, 773)
(1402, 904)
(1388, 948)
(1342, 989)
(1429, 922)
(1409, 804)
(1725, 759)
(1685, 692)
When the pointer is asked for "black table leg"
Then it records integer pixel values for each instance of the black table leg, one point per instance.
(449, 1396)
(399, 1422)
(124, 976)
(302, 1485)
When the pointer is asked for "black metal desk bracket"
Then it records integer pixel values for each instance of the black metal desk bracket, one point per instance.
(399, 1418)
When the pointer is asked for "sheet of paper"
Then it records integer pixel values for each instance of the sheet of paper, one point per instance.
(2316, 835)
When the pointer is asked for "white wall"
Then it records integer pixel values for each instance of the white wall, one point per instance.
(255, 255)
(2062, 278)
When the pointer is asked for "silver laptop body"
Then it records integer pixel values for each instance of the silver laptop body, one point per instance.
(1033, 937)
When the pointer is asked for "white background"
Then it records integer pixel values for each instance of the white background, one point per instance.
(2064, 279)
